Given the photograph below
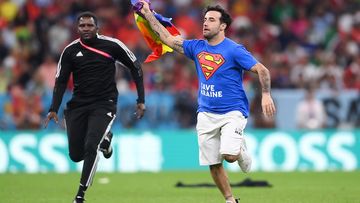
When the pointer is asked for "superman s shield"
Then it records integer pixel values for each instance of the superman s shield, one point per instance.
(210, 63)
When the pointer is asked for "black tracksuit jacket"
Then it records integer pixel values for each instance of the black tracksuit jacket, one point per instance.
(93, 73)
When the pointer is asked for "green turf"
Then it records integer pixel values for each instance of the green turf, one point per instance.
(304, 187)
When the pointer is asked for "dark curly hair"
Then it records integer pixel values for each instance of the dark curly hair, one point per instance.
(225, 16)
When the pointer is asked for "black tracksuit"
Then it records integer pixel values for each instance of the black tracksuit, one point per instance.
(91, 111)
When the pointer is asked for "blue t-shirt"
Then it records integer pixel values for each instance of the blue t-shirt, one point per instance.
(220, 72)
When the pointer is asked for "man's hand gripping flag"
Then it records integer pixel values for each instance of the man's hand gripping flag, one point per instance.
(152, 40)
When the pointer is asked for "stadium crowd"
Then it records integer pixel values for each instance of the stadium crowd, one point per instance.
(300, 41)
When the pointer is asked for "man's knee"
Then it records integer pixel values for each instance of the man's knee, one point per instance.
(76, 157)
(230, 158)
(215, 167)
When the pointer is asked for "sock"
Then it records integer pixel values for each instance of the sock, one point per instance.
(81, 191)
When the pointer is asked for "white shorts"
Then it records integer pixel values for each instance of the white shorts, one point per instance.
(219, 134)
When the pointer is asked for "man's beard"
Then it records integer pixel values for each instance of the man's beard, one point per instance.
(209, 36)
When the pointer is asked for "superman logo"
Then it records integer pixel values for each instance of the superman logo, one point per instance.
(210, 63)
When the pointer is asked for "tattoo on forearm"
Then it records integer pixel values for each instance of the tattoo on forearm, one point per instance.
(156, 26)
(157, 34)
(163, 33)
(178, 45)
(264, 77)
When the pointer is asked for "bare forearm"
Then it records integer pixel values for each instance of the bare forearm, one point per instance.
(264, 77)
(163, 33)
(265, 81)
(159, 29)
(267, 102)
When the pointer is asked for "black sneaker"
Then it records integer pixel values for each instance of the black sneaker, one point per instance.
(79, 199)
(105, 146)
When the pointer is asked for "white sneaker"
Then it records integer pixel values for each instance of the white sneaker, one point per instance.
(244, 160)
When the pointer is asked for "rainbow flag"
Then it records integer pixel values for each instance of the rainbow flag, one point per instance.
(152, 40)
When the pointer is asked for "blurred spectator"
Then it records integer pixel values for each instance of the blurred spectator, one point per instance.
(355, 31)
(304, 72)
(294, 52)
(4, 80)
(322, 20)
(300, 23)
(47, 71)
(281, 77)
(3, 50)
(330, 74)
(282, 10)
(8, 10)
(286, 36)
(352, 74)
(60, 36)
(310, 113)
(25, 109)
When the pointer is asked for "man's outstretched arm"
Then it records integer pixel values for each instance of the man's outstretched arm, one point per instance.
(175, 42)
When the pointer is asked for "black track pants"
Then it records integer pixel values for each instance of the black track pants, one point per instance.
(86, 128)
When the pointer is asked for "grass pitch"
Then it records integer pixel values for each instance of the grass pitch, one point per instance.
(294, 187)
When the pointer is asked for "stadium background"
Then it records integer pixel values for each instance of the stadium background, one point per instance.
(302, 43)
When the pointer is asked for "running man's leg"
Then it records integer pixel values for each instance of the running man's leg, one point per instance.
(99, 124)
(221, 180)
(76, 126)
(76, 121)
(208, 130)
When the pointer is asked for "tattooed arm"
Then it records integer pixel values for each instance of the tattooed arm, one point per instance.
(264, 77)
(265, 81)
(175, 42)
